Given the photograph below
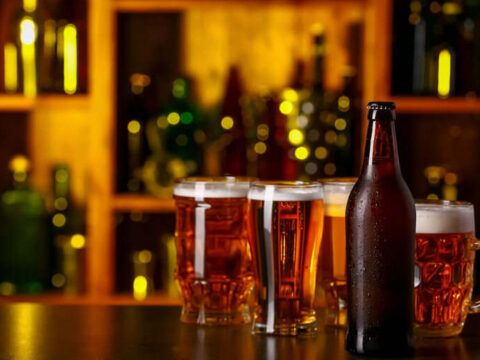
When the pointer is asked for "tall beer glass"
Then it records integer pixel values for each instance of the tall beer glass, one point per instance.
(332, 258)
(213, 258)
(444, 257)
(286, 220)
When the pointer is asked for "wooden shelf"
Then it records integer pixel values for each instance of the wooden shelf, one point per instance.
(20, 103)
(16, 103)
(116, 299)
(159, 5)
(434, 105)
(144, 203)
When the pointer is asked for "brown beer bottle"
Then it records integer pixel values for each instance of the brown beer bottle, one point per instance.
(380, 229)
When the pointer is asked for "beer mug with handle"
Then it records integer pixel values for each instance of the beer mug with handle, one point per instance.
(444, 259)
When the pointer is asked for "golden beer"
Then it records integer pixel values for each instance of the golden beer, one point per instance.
(213, 257)
(286, 221)
(332, 258)
(444, 258)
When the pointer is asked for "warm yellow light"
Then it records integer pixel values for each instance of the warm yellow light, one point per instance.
(27, 38)
(343, 103)
(162, 122)
(286, 107)
(302, 152)
(444, 71)
(27, 31)
(134, 126)
(321, 152)
(290, 95)
(173, 118)
(70, 59)
(340, 124)
(262, 132)
(19, 163)
(60, 203)
(140, 286)
(260, 147)
(295, 137)
(58, 280)
(29, 5)
(59, 220)
(432, 196)
(144, 256)
(11, 71)
(227, 122)
(77, 241)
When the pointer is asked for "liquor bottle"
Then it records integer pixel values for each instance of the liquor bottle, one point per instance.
(318, 153)
(346, 114)
(271, 151)
(67, 228)
(234, 157)
(184, 136)
(23, 240)
(137, 116)
(380, 229)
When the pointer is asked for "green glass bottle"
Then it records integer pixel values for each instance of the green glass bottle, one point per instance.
(184, 134)
(23, 241)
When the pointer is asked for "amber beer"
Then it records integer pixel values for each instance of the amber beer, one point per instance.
(214, 266)
(332, 258)
(380, 226)
(286, 220)
(444, 257)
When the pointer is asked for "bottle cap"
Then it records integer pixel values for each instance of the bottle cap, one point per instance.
(381, 105)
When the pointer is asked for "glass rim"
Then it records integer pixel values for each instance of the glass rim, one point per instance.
(215, 179)
(286, 184)
(286, 191)
(432, 203)
(212, 186)
(345, 181)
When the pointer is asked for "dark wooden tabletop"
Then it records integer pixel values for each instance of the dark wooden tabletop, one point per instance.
(36, 331)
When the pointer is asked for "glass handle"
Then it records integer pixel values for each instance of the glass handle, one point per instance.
(475, 303)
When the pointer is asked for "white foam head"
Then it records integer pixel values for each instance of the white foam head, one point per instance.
(285, 191)
(444, 217)
(337, 191)
(214, 187)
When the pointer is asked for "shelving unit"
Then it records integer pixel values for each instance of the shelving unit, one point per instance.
(89, 122)
(431, 105)
(142, 203)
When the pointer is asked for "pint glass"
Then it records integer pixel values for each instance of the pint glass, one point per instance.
(286, 221)
(444, 257)
(332, 258)
(214, 266)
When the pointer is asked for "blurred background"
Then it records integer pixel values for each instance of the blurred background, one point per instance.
(104, 102)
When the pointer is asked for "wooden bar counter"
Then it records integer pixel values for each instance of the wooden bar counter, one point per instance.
(38, 331)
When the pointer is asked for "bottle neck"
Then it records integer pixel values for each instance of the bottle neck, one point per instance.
(381, 148)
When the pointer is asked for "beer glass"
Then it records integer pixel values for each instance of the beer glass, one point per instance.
(444, 257)
(286, 222)
(214, 266)
(332, 258)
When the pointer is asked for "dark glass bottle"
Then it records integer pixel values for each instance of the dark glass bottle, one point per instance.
(234, 159)
(320, 130)
(182, 138)
(380, 227)
(23, 242)
(271, 151)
